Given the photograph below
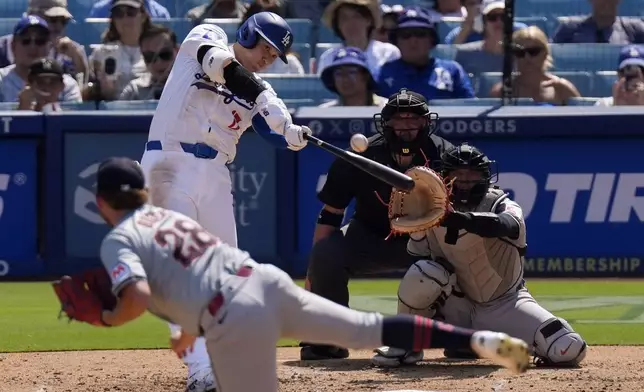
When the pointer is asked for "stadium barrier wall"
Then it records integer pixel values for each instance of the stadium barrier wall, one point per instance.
(577, 172)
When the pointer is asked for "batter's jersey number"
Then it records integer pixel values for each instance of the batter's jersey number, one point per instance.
(189, 240)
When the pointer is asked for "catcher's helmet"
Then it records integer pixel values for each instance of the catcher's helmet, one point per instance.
(464, 156)
(271, 27)
(405, 101)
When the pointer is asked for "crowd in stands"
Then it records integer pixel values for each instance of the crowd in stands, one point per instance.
(351, 52)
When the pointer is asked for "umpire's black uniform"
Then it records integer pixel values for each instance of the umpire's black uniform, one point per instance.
(360, 246)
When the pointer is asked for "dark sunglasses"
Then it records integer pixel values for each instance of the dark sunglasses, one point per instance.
(39, 41)
(163, 54)
(58, 20)
(521, 52)
(122, 11)
(406, 34)
(493, 17)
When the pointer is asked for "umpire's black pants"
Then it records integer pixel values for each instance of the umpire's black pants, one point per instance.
(354, 249)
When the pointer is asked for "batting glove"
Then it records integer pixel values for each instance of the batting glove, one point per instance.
(294, 135)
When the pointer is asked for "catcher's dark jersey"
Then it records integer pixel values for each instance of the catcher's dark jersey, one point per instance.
(345, 182)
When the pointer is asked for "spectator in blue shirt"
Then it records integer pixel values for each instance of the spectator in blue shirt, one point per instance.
(491, 14)
(103, 8)
(434, 78)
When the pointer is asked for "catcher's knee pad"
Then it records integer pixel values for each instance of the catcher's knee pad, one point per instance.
(424, 288)
(557, 344)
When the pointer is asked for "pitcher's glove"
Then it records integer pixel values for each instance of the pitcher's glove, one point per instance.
(85, 295)
(421, 208)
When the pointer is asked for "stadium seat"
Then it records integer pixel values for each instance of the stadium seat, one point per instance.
(128, 105)
(13, 8)
(93, 28)
(604, 83)
(449, 23)
(479, 102)
(7, 25)
(550, 8)
(8, 106)
(585, 57)
(303, 52)
(326, 36)
(583, 101)
(445, 52)
(81, 106)
(298, 87)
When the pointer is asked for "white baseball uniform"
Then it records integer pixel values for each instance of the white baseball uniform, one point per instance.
(215, 290)
(193, 136)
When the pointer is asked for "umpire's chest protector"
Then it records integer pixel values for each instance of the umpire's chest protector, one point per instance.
(486, 268)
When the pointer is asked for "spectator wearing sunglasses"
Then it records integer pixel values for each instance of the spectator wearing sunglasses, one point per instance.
(118, 61)
(628, 89)
(434, 78)
(103, 9)
(69, 53)
(533, 60)
(349, 77)
(354, 22)
(390, 15)
(30, 43)
(159, 49)
(490, 13)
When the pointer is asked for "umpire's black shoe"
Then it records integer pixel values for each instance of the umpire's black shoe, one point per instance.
(322, 352)
(464, 353)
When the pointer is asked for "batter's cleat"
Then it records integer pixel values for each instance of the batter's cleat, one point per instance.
(395, 357)
(316, 352)
(509, 352)
(202, 381)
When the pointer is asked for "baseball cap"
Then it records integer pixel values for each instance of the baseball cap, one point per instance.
(29, 21)
(119, 174)
(387, 9)
(415, 18)
(631, 55)
(490, 5)
(46, 67)
(130, 3)
(50, 8)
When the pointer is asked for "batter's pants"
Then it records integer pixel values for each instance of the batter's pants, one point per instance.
(242, 335)
(353, 250)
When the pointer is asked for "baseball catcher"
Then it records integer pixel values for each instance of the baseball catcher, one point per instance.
(472, 272)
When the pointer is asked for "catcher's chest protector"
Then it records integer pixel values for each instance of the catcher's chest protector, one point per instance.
(486, 268)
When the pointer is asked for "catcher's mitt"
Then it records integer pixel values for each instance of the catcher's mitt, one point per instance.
(85, 295)
(421, 208)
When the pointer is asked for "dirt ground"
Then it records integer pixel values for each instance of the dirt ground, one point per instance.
(607, 368)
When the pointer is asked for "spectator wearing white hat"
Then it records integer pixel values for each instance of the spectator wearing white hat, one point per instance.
(628, 89)
(490, 13)
(70, 54)
(354, 21)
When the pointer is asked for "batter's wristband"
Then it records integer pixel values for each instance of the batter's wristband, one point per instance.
(329, 218)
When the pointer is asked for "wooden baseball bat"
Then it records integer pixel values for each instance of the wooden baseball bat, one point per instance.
(392, 177)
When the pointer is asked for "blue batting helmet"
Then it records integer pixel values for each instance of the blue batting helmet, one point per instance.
(271, 27)
(345, 56)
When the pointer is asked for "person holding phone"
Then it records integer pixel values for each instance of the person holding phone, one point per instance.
(31, 42)
(628, 89)
(159, 49)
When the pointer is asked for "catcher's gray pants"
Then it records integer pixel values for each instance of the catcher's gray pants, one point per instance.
(242, 334)
(354, 249)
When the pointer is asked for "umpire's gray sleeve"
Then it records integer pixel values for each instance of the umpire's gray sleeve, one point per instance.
(121, 261)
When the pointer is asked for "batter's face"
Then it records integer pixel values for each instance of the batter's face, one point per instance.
(259, 57)
(466, 179)
(407, 125)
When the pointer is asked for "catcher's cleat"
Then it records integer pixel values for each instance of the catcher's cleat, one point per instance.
(509, 352)
(395, 357)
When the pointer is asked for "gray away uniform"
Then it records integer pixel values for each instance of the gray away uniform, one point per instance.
(489, 291)
(211, 289)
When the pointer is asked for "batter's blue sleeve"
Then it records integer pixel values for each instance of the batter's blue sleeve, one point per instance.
(261, 127)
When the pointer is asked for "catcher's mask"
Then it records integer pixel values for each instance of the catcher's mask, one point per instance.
(476, 172)
(405, 112)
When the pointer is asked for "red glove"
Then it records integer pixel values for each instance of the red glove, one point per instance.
(84, 296)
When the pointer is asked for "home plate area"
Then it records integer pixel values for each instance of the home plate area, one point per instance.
(607, 368)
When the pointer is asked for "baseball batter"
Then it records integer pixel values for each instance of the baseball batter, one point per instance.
(211, 97)
(474, 269)
(167, 263)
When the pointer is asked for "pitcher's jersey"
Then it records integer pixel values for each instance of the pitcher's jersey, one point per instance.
(195, 109)
(184, 265)
(486, 268)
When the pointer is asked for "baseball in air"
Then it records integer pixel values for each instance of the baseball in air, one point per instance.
(359, 142)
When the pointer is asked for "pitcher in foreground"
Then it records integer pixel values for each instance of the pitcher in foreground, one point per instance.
(162, 261)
